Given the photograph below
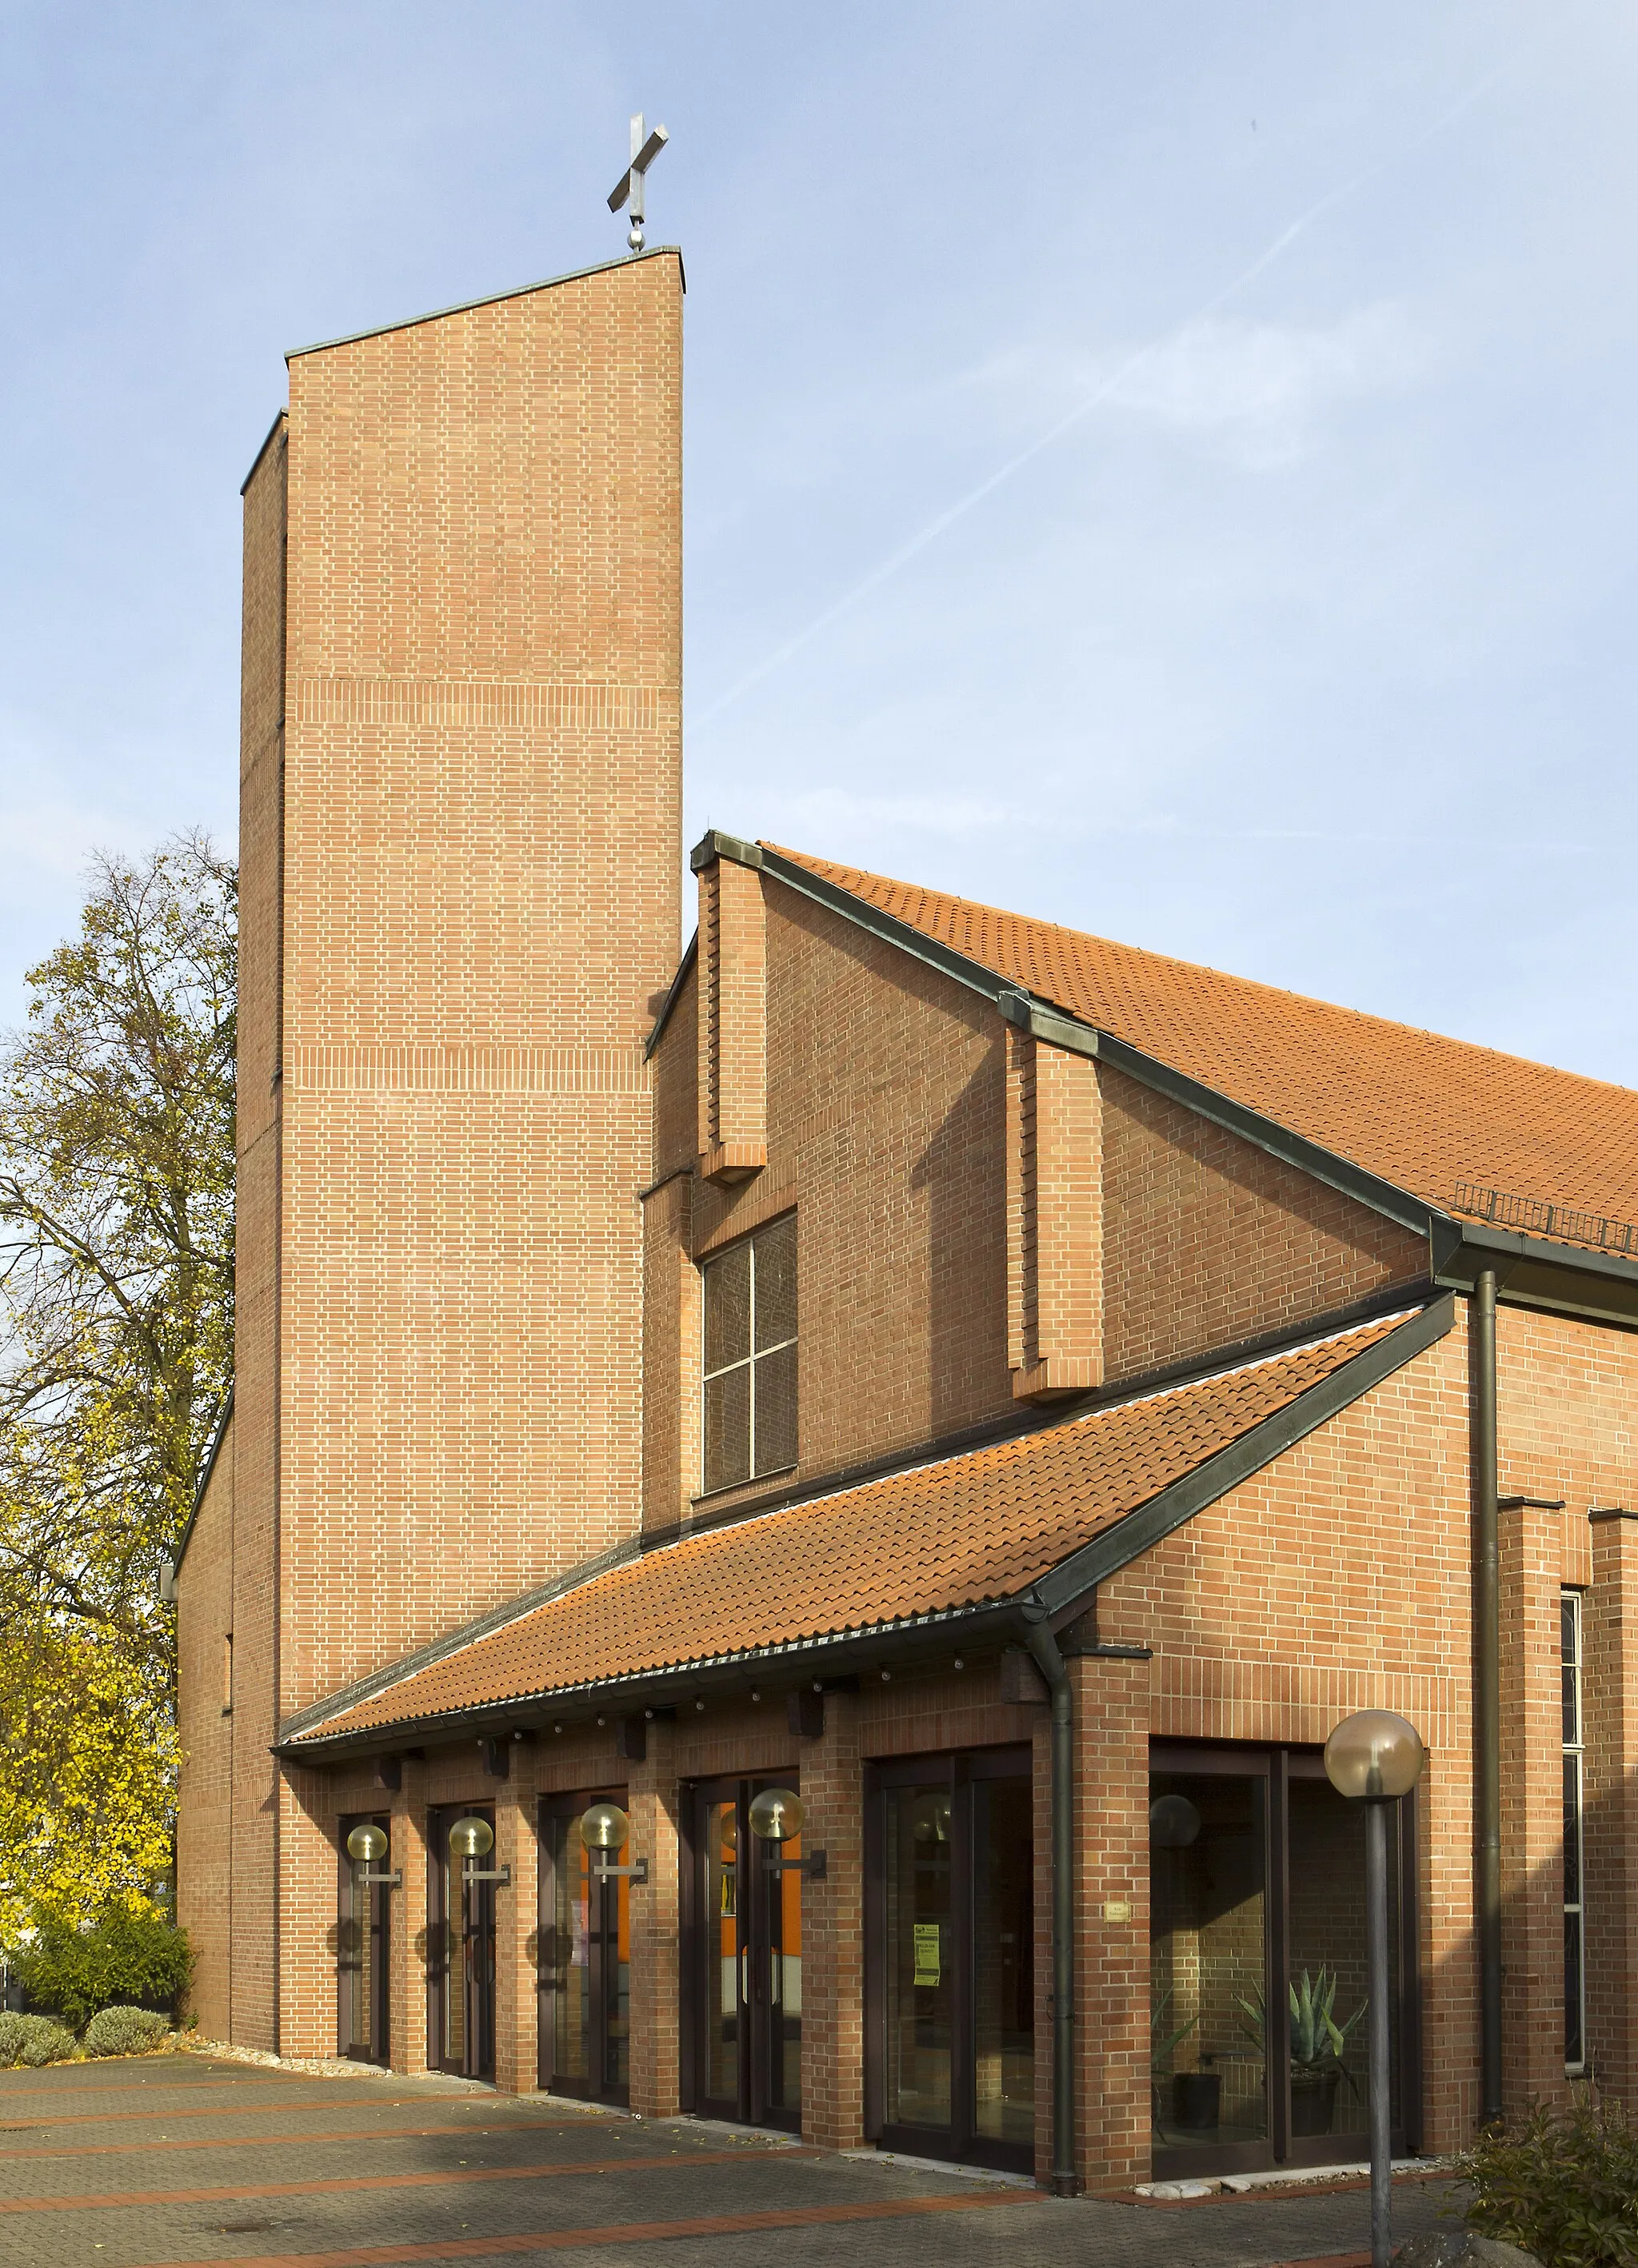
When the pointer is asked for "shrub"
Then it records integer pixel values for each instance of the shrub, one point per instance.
(124, 2031)
(1563, 2184)
(38, 2039)
(130, 1953)
(12, 2035)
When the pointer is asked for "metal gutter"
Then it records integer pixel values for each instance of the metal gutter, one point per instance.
(1264, 1134)
(493, 299)
(411, 1665)
(283, 418)
(690, 955)
(1062, 1593)
(1486, 1581)
(218, 1435)
(1061, 1027)
(1037, 1634)
(1532, 1272)
(727, 1675)
(1066, 1588)
(1541, 1273)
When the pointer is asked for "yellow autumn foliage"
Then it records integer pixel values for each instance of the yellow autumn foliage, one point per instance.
(116, 1274)
(87, 1775)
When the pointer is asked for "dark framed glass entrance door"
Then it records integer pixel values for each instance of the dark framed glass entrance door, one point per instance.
(747, 1960)
(585, 1958)
(361, 1951)
(951, 1957)
(461, 1952)
(1257, 1976)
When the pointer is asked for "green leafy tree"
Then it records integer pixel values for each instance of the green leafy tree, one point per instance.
(116, 1264)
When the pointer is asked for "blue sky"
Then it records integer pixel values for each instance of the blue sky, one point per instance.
(1171, 469)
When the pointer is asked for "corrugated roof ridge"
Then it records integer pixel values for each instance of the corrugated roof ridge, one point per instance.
(833, 869)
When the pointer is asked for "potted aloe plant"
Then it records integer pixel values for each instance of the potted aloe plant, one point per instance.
(1319, 2043)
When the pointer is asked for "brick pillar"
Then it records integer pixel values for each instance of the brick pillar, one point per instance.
(308, 1875)
(733, 1017)
(517, 1936)
(1610, 1705)
(1054, 1186)
(1111, 1831)
(1452, 2089)
(833, 1933)
(1532, 1822)
(406, 1945)
(655, 1805)
(671, 1353)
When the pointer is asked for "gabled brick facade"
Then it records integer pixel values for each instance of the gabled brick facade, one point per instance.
(1058, 1206)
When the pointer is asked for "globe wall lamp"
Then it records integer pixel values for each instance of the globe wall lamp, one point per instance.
(1375, 1757)
(604, 1828)
(472, 1838)
(776, 1818)
(366, 1845)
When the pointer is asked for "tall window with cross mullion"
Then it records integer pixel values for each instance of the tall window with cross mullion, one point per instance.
(1574, 1917)
(750, 1357)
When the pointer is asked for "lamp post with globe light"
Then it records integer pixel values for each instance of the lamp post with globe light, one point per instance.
(1375, 1757)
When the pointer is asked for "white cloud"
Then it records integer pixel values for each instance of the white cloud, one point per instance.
(1263, 388)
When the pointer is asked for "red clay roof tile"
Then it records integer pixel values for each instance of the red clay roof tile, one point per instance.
(960, 1532)
(1421, 1111)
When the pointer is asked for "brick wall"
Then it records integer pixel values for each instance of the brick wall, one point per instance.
(886, 1126)
(1208, 1240)
(459, 873)
(980, 1215)
(1339, 1579)
(205, 1824)
(253, 1543)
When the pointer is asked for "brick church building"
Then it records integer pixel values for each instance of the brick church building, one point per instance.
(823, 1499)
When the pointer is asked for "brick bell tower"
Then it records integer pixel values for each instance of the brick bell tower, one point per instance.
(460, 859)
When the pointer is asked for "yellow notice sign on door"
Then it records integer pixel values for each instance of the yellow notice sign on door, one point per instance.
(924, 1934)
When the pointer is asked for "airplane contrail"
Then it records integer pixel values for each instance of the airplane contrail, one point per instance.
(887, 568)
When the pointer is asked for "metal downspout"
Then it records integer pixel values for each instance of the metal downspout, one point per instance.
(1487, 1692)
(1063, 2180)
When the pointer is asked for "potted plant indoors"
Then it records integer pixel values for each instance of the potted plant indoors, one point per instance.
(1196, 2096)
(1319, 2043)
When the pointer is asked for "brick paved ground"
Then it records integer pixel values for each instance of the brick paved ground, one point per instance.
(187, 2159)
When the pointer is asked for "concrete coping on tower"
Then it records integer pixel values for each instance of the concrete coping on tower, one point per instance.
(494, 298)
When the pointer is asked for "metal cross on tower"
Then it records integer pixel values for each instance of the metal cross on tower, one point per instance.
(629, 188)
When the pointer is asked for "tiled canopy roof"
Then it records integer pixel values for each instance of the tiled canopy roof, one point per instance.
(963, 1532)
(1419, 1110)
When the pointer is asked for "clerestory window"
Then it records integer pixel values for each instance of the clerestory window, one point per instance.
(750, 1357)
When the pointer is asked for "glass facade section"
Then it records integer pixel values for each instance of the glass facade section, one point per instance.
(1258, 1987)
(749, 1973)
(361, 1952)
(585, 1961)
(1207, 1963)
(951, 1957)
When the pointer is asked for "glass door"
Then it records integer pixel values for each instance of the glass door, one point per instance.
(585, 1958)
(951, 1957)
(1258, 1972)
(461, 1952)
(747, 1960)
(361, 1951)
